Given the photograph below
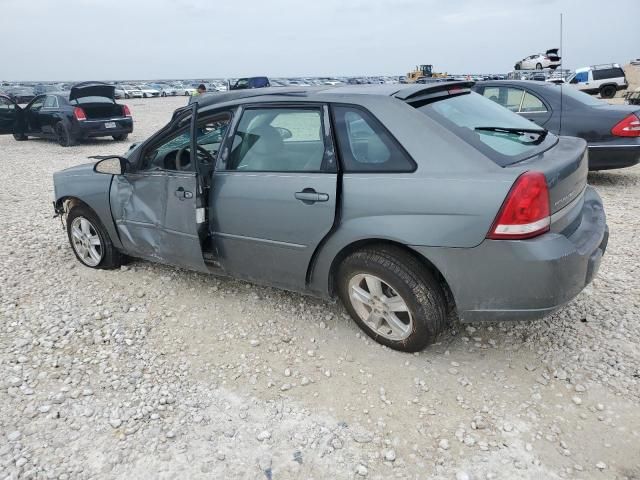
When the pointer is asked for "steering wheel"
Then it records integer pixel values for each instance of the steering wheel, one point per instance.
(205, 153)
(202, 153)
(179, 157)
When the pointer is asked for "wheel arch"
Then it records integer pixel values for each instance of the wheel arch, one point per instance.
(372, 242)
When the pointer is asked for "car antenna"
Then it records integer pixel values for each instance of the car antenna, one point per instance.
(562, 84)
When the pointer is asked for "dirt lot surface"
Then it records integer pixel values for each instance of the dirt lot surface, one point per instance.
(159, 373)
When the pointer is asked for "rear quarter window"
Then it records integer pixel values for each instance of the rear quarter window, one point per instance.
(606, 73)
(365, 145)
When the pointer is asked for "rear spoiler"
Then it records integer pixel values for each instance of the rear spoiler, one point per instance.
(431, 92)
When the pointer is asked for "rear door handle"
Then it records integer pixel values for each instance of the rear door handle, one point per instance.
(309, 196)
(181, 193)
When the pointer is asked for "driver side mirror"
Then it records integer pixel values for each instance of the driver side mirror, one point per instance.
(112, 165)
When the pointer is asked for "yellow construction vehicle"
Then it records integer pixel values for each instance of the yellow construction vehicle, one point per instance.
(423, 71)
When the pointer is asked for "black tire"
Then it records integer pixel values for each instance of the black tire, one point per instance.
(64, 136)
(121, 138)
(111, 258)
(164, 94)
(607, 91)
(538, 66)
(410, 280)
(126, 95)
(20, 137)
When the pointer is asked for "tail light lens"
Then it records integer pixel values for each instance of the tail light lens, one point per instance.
(79, 114)
(125, 111)
(627, 127)
(525, 212)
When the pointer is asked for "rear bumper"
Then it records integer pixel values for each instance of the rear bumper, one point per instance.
(97, 128)
(605, 157)
(526, 279)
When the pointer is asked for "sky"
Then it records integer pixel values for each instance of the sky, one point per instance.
(154, 39)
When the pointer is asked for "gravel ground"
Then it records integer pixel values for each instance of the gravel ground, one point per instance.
(155, 372)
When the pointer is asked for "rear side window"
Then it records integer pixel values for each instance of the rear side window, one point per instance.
(51, 102)
(470, 116)
(365, 145)
(605, 73)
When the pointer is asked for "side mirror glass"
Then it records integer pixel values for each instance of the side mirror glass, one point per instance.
(111, 165)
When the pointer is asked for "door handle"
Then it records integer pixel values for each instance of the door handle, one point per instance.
(181, 193)
(309, 196)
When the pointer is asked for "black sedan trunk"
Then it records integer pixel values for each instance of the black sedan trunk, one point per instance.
(95, 111)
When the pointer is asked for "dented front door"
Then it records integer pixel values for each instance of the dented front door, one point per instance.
(155, 214)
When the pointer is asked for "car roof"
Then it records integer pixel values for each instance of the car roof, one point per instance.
(321, 93)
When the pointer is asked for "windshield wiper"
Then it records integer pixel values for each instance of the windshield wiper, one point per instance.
(522, 131)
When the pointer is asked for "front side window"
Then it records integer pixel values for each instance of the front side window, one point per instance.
(37, 104)
(174, 153)
(365, 145)
(6, 104)
(278, 140)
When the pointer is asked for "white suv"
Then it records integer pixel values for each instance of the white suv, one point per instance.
(603, 79)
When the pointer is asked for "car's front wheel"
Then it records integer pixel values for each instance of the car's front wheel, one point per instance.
(538, 66)
(392, 297)
(89, 239)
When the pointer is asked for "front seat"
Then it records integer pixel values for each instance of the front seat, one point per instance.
(266, 150)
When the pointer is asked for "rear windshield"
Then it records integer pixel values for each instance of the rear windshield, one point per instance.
(93, 99)
(463, 114)
(579, 96)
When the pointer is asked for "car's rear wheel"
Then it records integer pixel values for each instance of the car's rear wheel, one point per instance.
(120, 138)
(89, 239)
(64, 136)
(21, 137)
(607, 91)
(538, 66)
(392, 297)
(126, 95)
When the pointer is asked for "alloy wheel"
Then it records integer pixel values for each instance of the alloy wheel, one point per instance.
(380, 307)
(86, 241)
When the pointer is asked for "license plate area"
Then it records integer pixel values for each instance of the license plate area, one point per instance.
(109, 124)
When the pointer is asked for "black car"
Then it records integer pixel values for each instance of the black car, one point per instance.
(611, 131)
(88, 110)
(250, 82)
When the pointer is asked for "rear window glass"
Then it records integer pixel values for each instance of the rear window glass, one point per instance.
(365, 145)
(579, 96)
(93, 99)
(607, 73)
(463, 114)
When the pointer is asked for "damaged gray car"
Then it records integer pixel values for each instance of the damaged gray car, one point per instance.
(405, 201)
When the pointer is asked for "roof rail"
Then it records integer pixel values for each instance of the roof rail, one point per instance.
(605, 65)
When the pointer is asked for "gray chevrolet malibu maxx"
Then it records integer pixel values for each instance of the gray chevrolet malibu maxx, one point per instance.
(404, 201)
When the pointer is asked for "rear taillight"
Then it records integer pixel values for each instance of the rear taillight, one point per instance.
(525, 211)
(125, 111)
(627, 127)
(79, 114)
